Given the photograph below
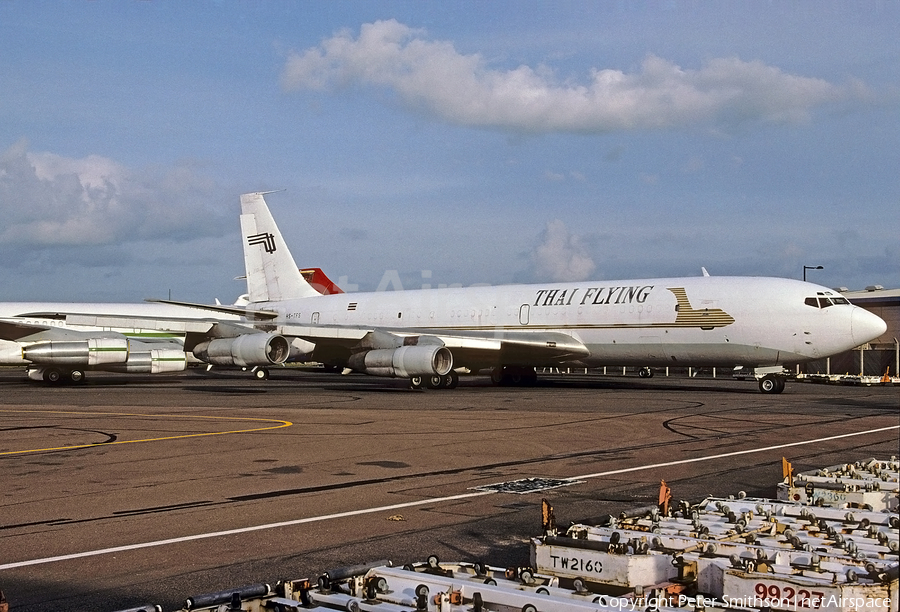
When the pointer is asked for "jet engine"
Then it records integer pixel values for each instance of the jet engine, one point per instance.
(247, 350)
(154, 361)
(89, 352)
(404, 362)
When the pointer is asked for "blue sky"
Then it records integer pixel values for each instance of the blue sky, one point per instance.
(451, 142)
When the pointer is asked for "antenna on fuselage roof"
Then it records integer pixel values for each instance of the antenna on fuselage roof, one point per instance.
(705, 273)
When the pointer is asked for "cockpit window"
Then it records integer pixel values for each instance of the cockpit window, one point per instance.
(825, 302)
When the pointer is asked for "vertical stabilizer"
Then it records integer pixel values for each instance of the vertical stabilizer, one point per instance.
(272, 274)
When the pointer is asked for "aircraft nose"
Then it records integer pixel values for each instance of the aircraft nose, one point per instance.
(865, 326)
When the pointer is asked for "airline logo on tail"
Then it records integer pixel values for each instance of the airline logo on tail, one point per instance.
(267, 240)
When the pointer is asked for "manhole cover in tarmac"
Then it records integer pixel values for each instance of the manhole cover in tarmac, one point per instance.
(526, 485)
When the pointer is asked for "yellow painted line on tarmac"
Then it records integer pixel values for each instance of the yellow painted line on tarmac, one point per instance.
(281, 424)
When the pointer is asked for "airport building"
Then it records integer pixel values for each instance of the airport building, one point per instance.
(878, 356)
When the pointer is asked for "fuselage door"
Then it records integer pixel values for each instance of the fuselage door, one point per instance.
(314, 319)
(524, 310)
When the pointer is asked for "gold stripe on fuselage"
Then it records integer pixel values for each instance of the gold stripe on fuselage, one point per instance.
(685, 317)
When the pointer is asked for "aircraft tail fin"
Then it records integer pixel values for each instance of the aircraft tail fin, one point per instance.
(320, 281)
(272, 274)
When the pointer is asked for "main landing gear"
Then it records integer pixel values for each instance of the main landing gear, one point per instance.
(447, 381)
(771, 384)
(56, 376)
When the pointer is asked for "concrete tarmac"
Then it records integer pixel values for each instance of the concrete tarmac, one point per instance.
(129, 490)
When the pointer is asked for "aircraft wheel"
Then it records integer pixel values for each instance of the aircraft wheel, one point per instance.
(451, 380)
(645, 373)
(416, 382)
(781, 382)
(771, 384)
(76, 376)
(261, 374)
(497, 375)
(435, 381)
(52, 375)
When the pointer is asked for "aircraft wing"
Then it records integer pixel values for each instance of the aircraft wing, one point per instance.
(337, 342)
(470, 349)
(172, 324)
(13, 330)
(196, 331)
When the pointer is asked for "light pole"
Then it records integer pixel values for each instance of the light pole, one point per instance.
(805, 268)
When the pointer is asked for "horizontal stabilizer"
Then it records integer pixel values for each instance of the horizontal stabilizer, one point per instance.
(235, 310)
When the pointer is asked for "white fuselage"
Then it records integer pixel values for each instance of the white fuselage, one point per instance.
(673, 321)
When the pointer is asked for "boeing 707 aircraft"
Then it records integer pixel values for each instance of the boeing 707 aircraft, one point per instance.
(427, 335)
(38, 336)
(44, 336)
(35, 335)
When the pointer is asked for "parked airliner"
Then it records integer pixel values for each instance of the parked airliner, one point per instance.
(59, 341)
(428, 335)
(36, 335)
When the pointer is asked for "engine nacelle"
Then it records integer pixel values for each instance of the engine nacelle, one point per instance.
(154, 361)
(89, 352)
(301, 350)
(11, 353)
(404, 362)
(247, 350)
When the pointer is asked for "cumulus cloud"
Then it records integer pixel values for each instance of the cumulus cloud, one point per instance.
(51, 200)
(464, 89)
(560, 256)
